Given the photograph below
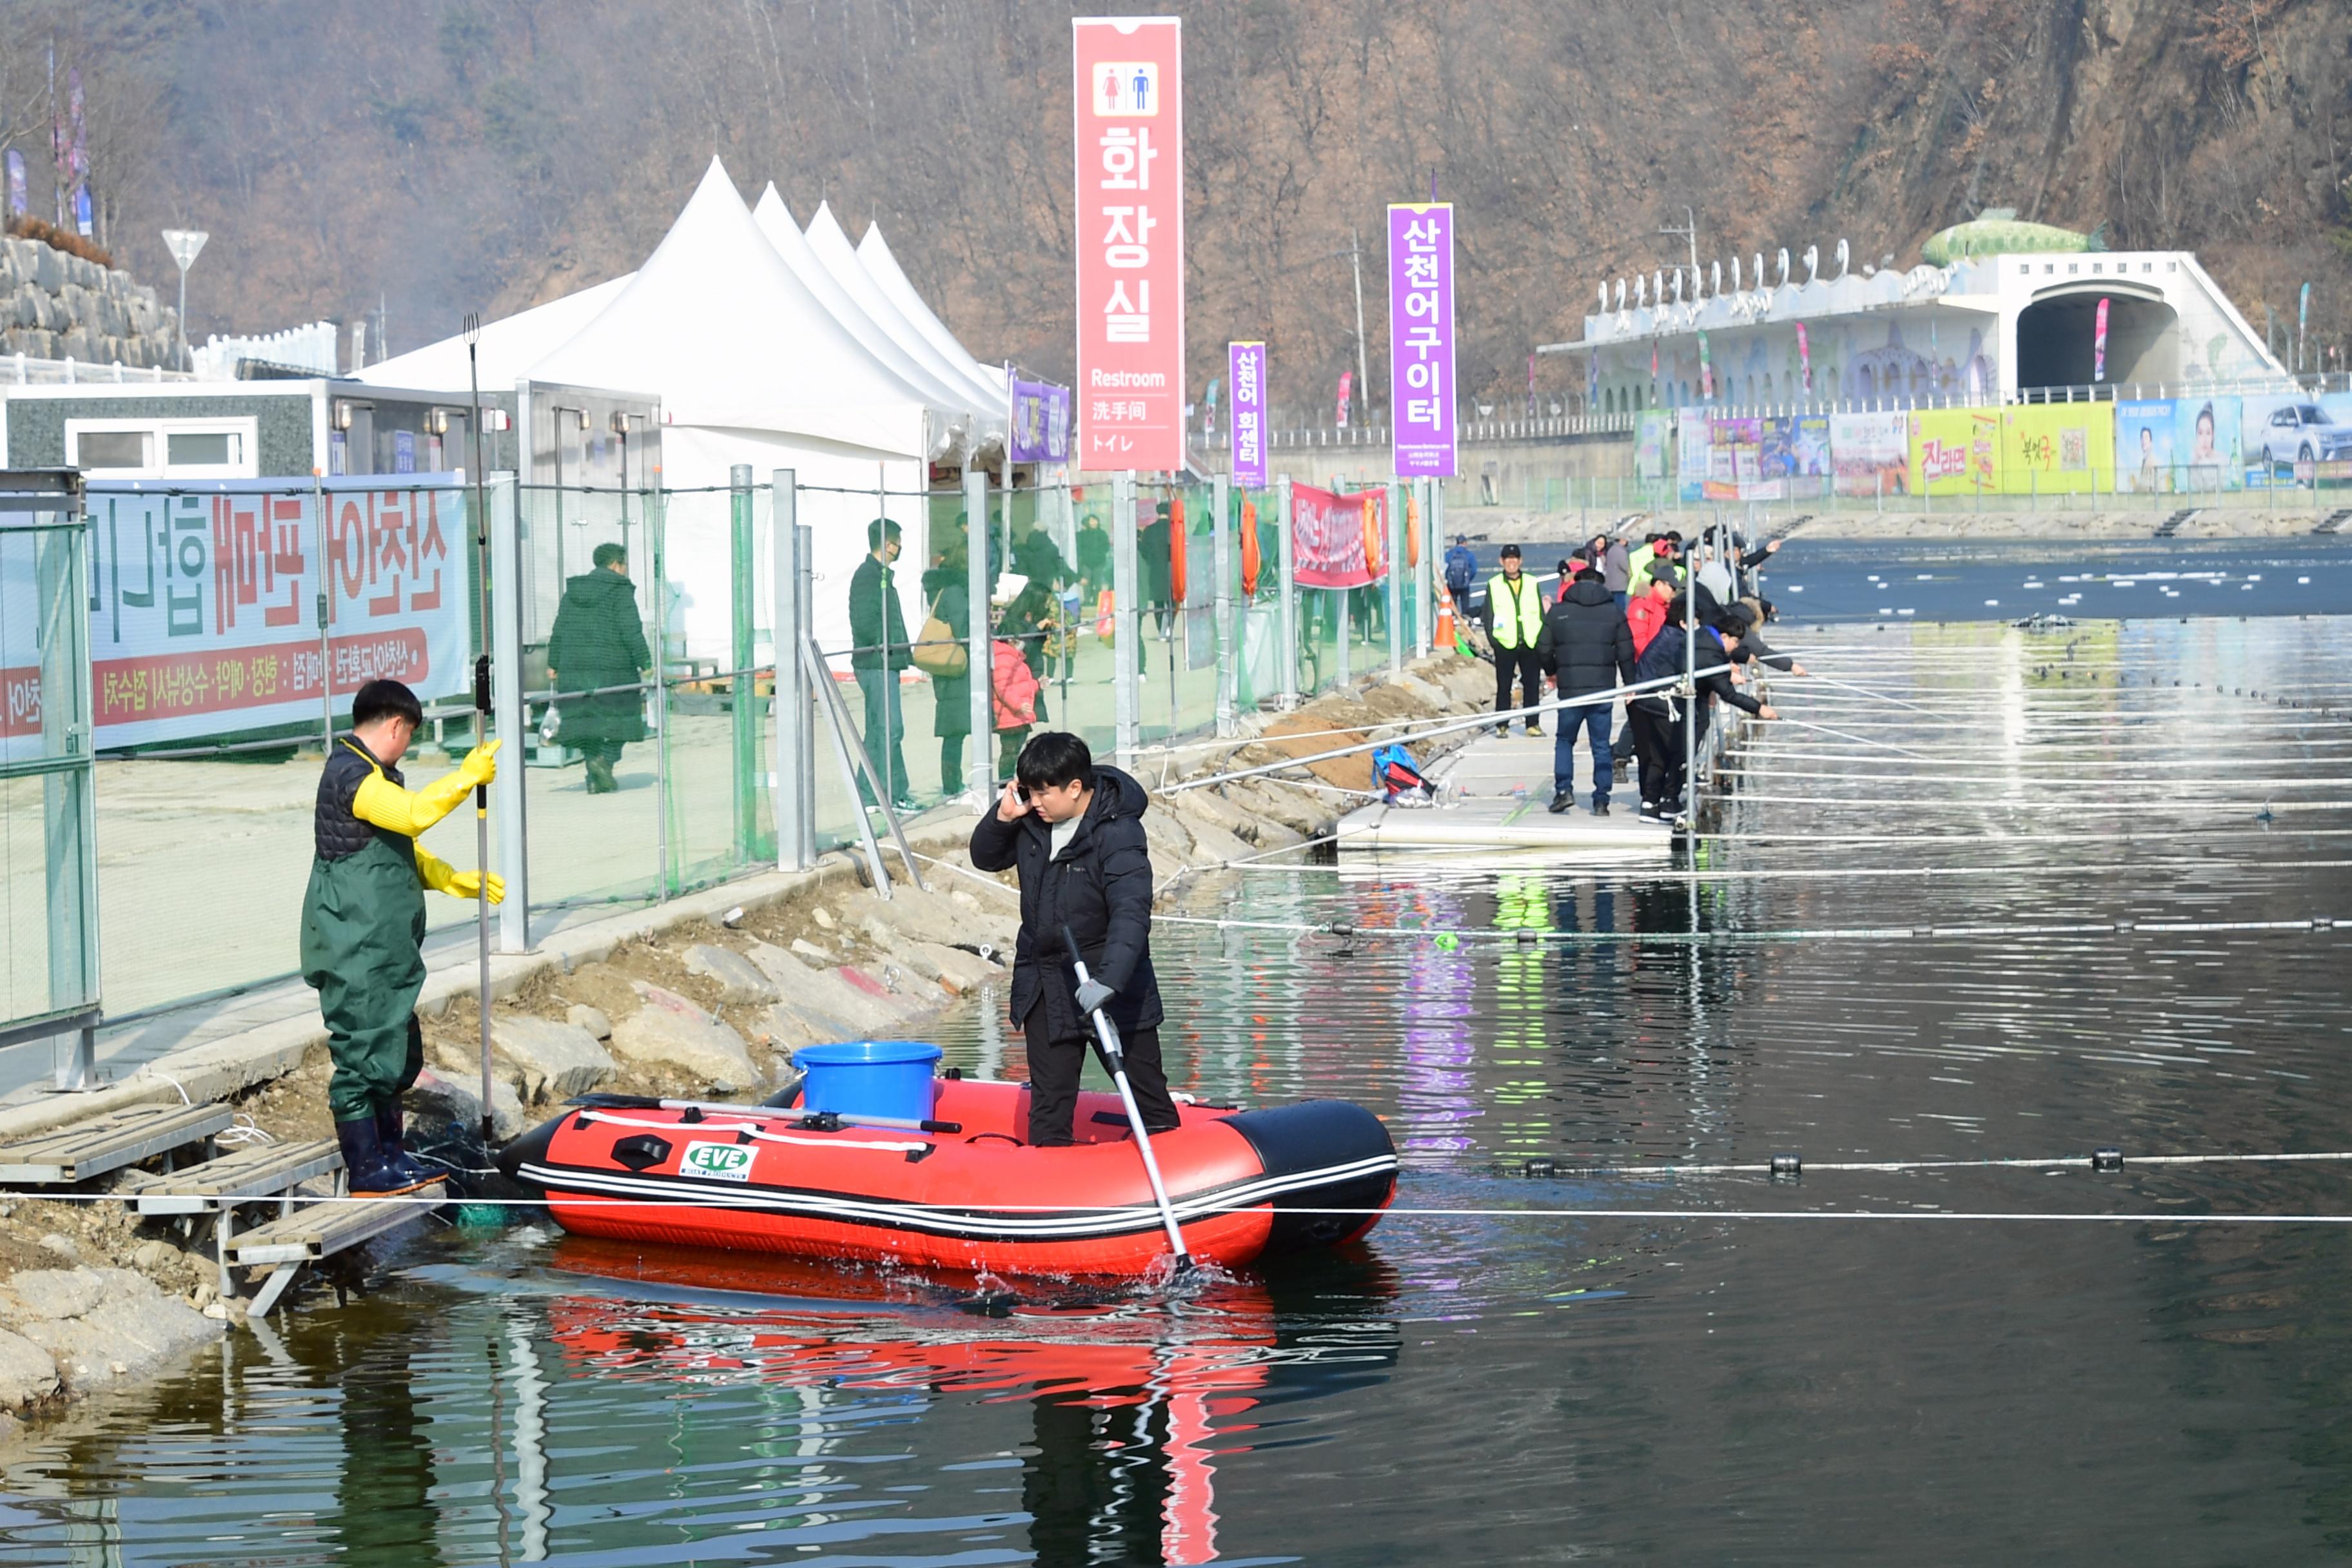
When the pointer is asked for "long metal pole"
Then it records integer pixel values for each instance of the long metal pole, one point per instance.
(507, 710)
(1286, 599)
(1394, 494)
(1363, 360)
(1125, 625)
(805, 598)
(657, 528)
(481, 735)
(980, 767)
(743, 693)
(1221, 561)
(792, 805)
(1690, 694)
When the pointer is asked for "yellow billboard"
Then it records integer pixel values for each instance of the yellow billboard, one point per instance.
(2058, 448)
(1954, 451)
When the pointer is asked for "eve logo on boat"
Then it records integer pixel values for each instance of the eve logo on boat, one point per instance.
(717, 1162)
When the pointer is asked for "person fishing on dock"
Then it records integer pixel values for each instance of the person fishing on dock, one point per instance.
(364, 924)
(1586, 648)
(1073, 831)
(1659, 715)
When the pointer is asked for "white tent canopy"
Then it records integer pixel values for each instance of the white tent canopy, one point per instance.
(832, 247)
(776, 223)
(507, 347)
(753, 370)
(723, 331)
(874, 255)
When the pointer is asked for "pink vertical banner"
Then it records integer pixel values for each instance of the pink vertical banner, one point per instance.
(1130, 106)
(1421, 338)
(1805, 358)
(1347, 383)
(1246, 373)
(2099, 345)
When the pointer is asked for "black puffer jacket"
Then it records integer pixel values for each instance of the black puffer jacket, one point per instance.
(1585, 641)
(1100, 887)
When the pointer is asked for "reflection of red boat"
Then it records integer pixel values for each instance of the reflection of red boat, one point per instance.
(1129, 1401)
(1244, 1184)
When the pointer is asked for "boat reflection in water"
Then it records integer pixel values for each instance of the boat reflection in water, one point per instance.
(1129, 1394)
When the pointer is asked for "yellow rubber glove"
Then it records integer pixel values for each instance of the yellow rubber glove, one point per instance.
(442, 878)
(386, 804)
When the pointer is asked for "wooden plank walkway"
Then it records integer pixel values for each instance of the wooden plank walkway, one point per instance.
(319, 1231)
(267, 1171)
(1505, 783)
(82, 1150)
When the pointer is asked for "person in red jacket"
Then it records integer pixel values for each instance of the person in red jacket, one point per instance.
(1647, 613)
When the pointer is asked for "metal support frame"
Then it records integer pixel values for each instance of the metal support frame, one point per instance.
(656, 532)
(1287, 600)
(793, 792)
(68, 801)
(979, 666)
(743, 686)
(804, 597)
(1221, 553)
(1127, 625)
(854, 758)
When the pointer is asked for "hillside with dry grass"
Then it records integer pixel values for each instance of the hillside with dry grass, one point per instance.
(442, 155)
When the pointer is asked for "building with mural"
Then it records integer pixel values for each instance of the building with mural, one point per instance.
(2018, 359)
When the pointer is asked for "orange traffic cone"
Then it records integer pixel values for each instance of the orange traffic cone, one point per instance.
(1444, 637)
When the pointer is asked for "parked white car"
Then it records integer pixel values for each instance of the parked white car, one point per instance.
(2302, 433)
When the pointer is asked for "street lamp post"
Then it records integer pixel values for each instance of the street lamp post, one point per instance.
(184, 243)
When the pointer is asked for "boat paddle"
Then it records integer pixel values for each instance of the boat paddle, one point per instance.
(1115, 1059)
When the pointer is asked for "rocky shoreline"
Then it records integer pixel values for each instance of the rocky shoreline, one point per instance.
(706, 997)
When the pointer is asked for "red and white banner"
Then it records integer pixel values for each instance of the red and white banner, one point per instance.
(1130, 103)
(1335, 541)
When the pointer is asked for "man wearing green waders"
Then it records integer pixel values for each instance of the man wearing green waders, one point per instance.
(364, 924)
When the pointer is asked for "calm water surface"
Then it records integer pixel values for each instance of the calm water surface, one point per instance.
(1506, 1374)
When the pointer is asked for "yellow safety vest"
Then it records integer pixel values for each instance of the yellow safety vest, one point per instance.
(1518, 614)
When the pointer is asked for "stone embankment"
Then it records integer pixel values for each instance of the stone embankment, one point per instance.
(705, 997)
(55, 306)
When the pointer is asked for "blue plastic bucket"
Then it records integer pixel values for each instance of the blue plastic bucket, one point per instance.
(869, 1078)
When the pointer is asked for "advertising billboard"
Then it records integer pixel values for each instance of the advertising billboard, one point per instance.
(205, 602)
(1954, 451)
(1130, 152)
(2057, 448)
(2144, 429)
(1871, 452)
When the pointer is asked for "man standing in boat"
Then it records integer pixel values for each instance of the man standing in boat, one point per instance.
(1073, 830)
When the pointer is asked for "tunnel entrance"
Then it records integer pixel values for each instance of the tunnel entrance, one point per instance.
(2056, 340)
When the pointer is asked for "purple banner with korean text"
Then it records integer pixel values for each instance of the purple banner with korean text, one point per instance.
(1041, 423)
(1421, 338)
(1246, 373)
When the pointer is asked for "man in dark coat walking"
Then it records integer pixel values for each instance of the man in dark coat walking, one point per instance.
(878, 650)
(1075, 832)
(599, 640)
(1586, 648)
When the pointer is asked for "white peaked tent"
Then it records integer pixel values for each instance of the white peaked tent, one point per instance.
(832, 247)
(509, 346)
(751, 368)
(874, 255)
(775, 221)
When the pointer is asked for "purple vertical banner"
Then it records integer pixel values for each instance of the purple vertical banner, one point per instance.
(1245, 374)
(17, 195)
(1421, 338)
(1041, 423)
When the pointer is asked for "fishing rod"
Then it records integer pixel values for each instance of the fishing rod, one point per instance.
(1115, 1059)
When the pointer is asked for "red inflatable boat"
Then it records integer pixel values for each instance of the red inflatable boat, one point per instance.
(969, 1195)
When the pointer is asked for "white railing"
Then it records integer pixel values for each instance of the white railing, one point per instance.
(23, 370)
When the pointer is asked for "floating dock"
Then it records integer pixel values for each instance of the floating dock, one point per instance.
(1495, 792)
